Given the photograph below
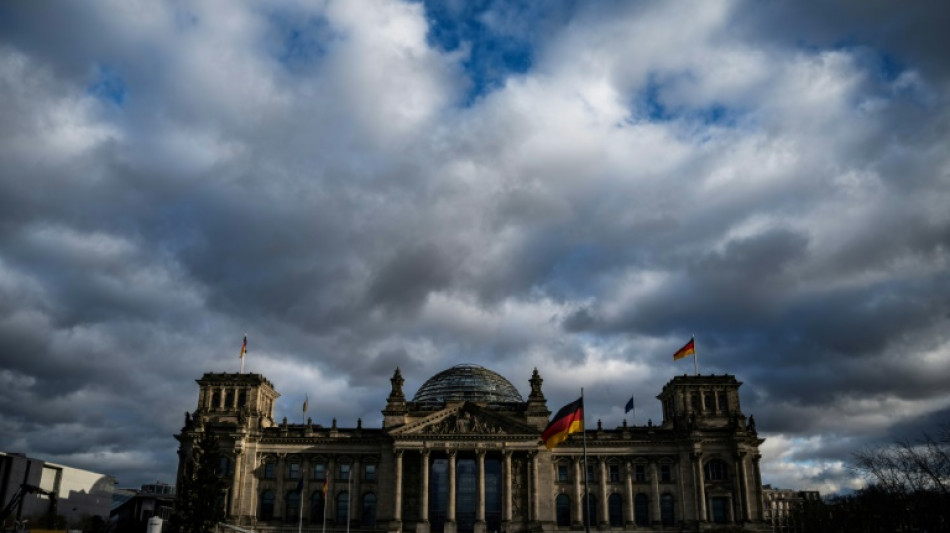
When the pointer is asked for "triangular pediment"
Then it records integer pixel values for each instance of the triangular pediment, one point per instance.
(465, 419)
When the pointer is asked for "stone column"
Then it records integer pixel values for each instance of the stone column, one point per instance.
(356, 503)
(743, 487)
(450, 523)
(578, 505)
(628, 482)
(480, 492)
(236, 484)
(506, 487)
(423, 526)
(534, 486)
(655, 498)
(329, 507)
(757, 485)
(603, 491)
(397, 499)
(279, 497)
(700, 486)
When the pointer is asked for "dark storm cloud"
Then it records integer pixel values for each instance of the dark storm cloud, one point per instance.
(574, 187)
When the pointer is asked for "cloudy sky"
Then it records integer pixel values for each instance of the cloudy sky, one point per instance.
(572, 186)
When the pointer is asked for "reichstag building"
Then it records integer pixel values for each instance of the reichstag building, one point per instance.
(464, 455)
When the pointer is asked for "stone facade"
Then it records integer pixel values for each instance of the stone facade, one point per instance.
(477, 465)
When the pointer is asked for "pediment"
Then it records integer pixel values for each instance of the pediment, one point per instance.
(466, 419)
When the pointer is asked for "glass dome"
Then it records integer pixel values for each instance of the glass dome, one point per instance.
(471, 383)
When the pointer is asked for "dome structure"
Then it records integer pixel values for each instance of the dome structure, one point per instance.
(467, 382)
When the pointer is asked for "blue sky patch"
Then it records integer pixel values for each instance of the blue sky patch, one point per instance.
(497, 51)
(108, 86)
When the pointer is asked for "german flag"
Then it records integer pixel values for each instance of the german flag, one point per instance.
(570, 419)
(688, 349)
(244, 347)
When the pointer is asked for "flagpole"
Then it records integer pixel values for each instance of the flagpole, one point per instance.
(586, 487)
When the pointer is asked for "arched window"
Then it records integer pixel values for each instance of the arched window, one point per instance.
(342, 508)
(716, 470)
(562, 505)
(368, 514)
(267, 505)
(590, 509)
(292, 506)
(641, 509)
(615, 509)
(316, 507)
(666, 509)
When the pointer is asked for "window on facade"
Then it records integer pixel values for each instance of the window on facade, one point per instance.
(666, 509)
(270, 470)
(292, 506)
(344, 471)
(225, 466)
(229, 399)
(242, 398)
(342, 508)
(320, 471)
(267, 505)
(369, 473)
(216, 399)
(562, 506)
(615, 510)
(368, 513)
(723, 404)
(694, 401)
(614, 471)
(641, 509)
(666, 473)
(591, 473)
(716, 470)
(293, 470)
(316, 507)
(589, 509)
(708, 400)
(640, 473)
(563, 473)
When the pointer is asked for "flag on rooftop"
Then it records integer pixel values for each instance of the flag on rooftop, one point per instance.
(570, 419)
(688, 349)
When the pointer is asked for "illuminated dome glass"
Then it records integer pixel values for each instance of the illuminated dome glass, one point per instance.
(471, 383)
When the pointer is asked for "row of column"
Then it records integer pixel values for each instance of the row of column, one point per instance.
(506, 497)
(354, 483)
(604, 510)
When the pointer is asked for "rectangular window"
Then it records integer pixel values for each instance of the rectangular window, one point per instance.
(640, 473)
(270, 470)
(614, 473)
(344, 472)
(563, 473)
(369, 472)
(708, 401)
(723, 404)
(591, 473)
(320, 471)
(666, 473)
(293, 470)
